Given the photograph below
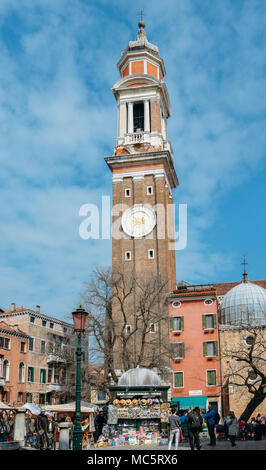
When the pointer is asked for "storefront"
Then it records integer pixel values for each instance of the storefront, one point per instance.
(138, 409)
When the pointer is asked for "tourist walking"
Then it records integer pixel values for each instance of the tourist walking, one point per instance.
(194, 422)
(174, 424)
(232, 426)
(210, 421)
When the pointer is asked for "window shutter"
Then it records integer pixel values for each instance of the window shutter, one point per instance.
(173, 355)
(204, 348)
(183, 350)
(214, 321)
(215, 348)
(178, 379)
(182, 323)
(171, 323)
(203, 322)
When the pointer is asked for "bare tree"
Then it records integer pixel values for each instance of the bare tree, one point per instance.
(128, 320)
(246, 359)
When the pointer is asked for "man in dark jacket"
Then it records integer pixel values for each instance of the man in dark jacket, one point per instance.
(194, 423)
(210, 420)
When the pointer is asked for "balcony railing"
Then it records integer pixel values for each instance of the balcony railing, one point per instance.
(137, 138)
(55, 387)
(53, 357)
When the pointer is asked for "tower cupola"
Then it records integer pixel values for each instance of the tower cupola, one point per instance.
(142, 98)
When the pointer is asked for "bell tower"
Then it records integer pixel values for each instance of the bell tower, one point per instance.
(142, 165)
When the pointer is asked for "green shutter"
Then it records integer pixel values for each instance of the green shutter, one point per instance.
(182, 323)
(173, 355)
(214, 321)
(204, 348)
(215, 348)
(183, 350)
(171, 323)
(211, 380)
(203, 322)
(178, 380)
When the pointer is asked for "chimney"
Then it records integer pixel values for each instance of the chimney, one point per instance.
(13, 307)
(37, 308)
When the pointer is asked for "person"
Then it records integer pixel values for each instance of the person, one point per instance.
(194, 423)
(51, 430)
(210, 421)
(41, 428)
(32, 433)
(174, 423)
(243, 428)
(69, 420)
(258, 428)
(99, 422)
(3, 428)
(233, 428)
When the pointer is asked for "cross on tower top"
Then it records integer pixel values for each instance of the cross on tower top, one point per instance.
(245, 275)
(141, 14)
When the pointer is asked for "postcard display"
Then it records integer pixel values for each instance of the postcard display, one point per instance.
(137, 420)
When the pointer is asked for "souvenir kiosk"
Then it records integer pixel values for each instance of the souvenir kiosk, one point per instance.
(138, 409)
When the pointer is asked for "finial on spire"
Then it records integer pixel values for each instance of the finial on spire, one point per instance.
(141, 33)
(245, 275)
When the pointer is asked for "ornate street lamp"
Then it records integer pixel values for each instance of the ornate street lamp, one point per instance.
(80, 318)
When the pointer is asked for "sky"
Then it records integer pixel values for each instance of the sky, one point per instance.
(58, 121)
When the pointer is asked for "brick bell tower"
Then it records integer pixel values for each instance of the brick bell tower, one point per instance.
(142, 166)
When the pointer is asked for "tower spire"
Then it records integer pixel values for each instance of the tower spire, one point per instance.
(245, 274)
(141, 32)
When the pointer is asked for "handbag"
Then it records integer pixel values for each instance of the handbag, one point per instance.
(180, 435)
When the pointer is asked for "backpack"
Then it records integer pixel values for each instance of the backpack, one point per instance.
(217, 418)
(195, 420)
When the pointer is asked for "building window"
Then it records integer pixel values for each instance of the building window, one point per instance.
(22, 347)
(4, 342)
(30, 374)
(21, 373)
(6, 368)
(31, 344)
(152, 328)
(41, 398)
(101, 395)
(127, 192)
(208, 302)
(150, 254)
(176, 323)
(209, 321)
(65, 329)
(44, 322)
(211, 377)
(20, 397)
(149, 190)
(42, 376)
(138, 117)
(51, 325)
(128, 256)
(29, 397)
(176, 304)
(177, 350)
(32, 319)
(210, 348)
(42, 347)
(178, 379)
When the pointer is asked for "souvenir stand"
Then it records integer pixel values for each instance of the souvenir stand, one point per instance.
(138, 409)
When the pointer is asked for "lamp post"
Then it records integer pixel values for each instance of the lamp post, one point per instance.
(80, 318)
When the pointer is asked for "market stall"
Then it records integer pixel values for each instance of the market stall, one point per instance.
(87, 410)
(138, 410)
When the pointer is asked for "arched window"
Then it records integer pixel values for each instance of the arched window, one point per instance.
(21, 373)
(138, 117)
(6, 367)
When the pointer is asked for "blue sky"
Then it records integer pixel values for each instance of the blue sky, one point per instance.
(58, 121)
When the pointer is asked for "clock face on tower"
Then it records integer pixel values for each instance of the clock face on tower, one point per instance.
(138, 221)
